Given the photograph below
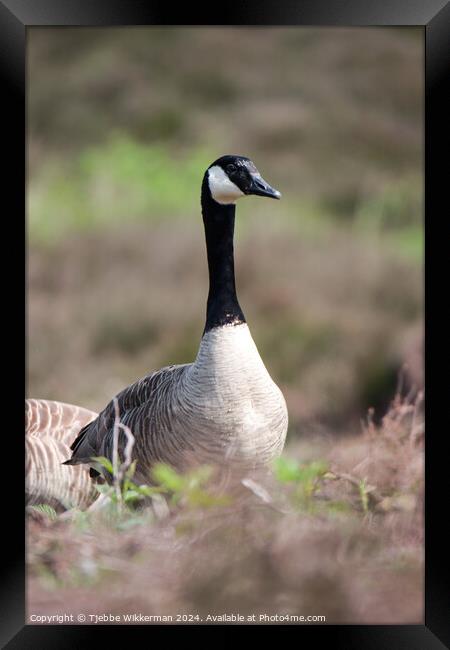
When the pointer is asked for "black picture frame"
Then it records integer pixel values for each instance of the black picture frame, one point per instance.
(16, 16)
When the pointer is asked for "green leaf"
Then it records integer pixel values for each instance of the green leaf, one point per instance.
(148, 491)
(131, 495)
(286, 469)
(168, 477)
(45, 509)
(104, 462)
(103, 489)
(363, 493)
(199, 476)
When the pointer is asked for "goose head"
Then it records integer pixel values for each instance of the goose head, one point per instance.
(231, 177)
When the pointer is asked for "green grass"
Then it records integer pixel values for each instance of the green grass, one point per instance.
(124, 181)
(119, 182)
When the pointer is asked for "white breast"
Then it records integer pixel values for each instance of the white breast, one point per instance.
(235, 408)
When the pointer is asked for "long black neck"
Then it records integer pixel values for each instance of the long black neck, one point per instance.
(223, 306)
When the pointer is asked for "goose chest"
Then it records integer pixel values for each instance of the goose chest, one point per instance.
(229, 400)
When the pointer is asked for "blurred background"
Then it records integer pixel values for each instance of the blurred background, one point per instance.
(122, 123)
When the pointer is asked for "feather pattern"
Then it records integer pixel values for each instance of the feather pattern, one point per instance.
(50, 428)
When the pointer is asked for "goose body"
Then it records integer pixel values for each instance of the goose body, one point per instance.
(224, 408)
(50, 429)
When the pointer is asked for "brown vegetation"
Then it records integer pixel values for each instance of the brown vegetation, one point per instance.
(350, 549)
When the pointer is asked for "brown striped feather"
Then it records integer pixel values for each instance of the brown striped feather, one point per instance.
(50, 429)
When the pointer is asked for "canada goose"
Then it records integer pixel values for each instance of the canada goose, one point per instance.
(50, 428)
(222, 409)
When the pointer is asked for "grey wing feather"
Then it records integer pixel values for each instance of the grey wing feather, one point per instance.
(134, 403)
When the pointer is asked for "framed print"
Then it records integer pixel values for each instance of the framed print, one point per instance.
(225, 398)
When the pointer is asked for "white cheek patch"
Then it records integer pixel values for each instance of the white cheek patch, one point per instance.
(222, 189)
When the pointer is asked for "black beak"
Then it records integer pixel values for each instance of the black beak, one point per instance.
(259, 187)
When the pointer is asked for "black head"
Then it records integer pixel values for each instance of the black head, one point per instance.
(231, 177)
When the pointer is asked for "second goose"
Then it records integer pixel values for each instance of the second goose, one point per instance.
(223, 408)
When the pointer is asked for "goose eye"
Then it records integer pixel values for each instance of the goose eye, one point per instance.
(231, 168)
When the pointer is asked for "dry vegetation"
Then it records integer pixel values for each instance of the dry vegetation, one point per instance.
(340, 538)
(122, 124)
